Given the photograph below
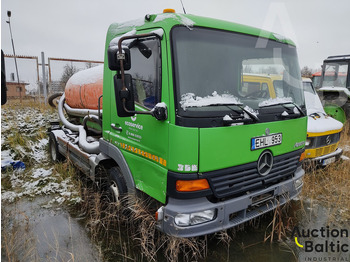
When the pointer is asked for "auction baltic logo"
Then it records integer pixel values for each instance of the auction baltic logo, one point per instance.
(323, 240)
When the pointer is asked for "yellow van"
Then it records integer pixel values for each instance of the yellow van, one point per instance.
(323, 131)
(259, 85)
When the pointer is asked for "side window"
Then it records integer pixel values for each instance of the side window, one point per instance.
(264, 87)
(278, 85)
(251, 87)
(146, 72)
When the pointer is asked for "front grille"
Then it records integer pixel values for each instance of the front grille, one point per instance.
(321, 141)
(326, 150)
(237, 181)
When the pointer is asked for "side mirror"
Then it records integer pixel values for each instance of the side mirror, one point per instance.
(124, 98)
(114, 58)
(160, 111)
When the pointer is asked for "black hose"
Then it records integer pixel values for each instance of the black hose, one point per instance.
(52, 97)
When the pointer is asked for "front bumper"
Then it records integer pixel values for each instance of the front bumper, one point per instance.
(229, 213)
(325, 159)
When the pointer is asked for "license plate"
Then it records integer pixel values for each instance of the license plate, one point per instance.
(328, 161)
(266, 141)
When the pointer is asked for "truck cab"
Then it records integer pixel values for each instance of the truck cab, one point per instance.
(335, 86)
(179, 125)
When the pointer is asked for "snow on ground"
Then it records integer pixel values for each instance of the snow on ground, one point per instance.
(24, 139)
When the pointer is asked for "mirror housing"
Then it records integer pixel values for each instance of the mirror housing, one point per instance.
(160, 111)
(114, 58)
(127, 95)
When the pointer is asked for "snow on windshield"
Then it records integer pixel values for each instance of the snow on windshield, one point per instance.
(275, 101)
(313, 103)
(191, 100)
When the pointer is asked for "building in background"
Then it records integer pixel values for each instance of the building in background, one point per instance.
(15, 89)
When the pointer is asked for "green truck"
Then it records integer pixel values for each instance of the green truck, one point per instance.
(172, 119)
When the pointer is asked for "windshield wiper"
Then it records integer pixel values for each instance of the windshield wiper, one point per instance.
(286, 103)
(240, 106)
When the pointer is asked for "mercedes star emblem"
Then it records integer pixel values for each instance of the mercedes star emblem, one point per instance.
(265, 162)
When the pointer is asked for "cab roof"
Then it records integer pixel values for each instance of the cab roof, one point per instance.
(168, 20)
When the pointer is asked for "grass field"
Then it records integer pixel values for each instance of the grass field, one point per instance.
(130, 234)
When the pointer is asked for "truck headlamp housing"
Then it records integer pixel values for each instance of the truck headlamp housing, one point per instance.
(308, 142)
(298, 183)
(191, 219)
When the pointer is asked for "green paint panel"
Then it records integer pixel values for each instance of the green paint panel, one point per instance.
(231, 146)
(153, 147)
(183, 149)
(150, 178)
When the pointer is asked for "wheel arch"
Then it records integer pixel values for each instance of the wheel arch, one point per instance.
(112, 156)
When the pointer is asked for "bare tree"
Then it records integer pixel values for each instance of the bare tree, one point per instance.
(306, 72)
(247, 69)
(69, 70)
(90, 65)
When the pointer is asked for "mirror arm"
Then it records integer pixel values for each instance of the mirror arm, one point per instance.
(121, 56)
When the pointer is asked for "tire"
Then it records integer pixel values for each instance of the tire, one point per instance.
(116, 187)
(55, 155)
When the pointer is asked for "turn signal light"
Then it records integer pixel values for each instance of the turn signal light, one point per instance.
(302, 156)
(169, 10)
(191, 185)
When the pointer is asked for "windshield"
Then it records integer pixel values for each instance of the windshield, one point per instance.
(335, 74)
(312, 101)
(215, 69)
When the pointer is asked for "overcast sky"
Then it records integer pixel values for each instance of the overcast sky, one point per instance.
(77, 28)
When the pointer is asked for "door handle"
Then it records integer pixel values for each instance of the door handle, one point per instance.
(118, 128)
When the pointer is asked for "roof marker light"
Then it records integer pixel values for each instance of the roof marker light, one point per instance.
(169, 10)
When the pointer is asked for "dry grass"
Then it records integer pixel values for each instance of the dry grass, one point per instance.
(131, 235)
(330, 186)
(30, 102)
(16, 239)
(128, 229)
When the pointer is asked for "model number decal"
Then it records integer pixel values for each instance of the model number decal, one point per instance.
(181, 167)
(266, 141)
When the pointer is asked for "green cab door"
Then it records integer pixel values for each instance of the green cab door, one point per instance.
(142, 139)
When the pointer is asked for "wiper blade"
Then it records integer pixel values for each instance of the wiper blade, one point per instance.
(285, 103)
(250, 114)
(225, 104)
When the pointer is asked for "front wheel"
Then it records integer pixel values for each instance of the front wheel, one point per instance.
(116, 185)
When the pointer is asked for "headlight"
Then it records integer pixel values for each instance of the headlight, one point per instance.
(298, 183)
(195, 218)
(308, 142)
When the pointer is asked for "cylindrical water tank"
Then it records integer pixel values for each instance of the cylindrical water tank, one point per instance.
(84, 88)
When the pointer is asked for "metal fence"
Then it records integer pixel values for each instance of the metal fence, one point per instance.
(31, 74)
